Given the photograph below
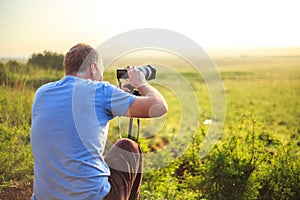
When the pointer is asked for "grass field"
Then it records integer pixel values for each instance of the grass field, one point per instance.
(256, 157)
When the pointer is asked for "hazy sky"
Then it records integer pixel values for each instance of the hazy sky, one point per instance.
(31, 26)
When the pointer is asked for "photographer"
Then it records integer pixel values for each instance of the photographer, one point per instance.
(69, 128)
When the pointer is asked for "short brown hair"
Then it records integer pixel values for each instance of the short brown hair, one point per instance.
(79, 57)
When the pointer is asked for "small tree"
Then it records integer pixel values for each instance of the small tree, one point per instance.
(47, 60)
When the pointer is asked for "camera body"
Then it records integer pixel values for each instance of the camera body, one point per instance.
(147, 70)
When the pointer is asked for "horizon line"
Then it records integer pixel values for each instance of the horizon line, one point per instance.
(214, 51)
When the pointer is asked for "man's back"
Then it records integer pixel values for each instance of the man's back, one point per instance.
(68, 138)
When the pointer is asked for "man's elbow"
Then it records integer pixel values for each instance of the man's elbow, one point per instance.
(165, 109)
(158, 110)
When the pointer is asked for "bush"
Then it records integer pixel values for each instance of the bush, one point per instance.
(248, 164)
(15, 152)
(47, 60)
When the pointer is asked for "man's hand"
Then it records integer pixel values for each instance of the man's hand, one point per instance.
(151, 103)
(136, 77)
(127, 87)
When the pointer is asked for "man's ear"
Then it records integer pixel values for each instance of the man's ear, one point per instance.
(93, 69)
(95, 74)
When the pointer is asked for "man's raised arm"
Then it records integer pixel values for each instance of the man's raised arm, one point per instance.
(151, 103)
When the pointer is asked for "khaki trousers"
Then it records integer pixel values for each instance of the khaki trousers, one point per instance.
(125, 163)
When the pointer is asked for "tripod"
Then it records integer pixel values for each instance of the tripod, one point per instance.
(136, 93)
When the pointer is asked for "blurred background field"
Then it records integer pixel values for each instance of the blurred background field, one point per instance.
(256, 157)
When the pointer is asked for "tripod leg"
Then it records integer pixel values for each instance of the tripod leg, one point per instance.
(130, 128)
(138, 132)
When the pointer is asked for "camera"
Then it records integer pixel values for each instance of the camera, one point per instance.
(150, 73)
(147, 70)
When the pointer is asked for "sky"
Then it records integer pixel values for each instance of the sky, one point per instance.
(32, 26)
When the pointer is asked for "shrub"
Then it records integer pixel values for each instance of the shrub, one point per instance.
(47, 59)
(248, 164)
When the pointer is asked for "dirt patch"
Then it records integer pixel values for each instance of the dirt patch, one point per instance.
(17, 191)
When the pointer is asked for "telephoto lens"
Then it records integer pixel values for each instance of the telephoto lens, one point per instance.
(147, 70)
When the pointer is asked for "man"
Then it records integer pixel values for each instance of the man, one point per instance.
(69, 130)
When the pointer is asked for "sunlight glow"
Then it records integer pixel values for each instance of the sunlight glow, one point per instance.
(33, 26)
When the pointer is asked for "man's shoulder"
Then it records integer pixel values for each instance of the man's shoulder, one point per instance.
(46, 86)
(55, 84)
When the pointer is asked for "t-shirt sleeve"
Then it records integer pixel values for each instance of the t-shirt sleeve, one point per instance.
(116, 100)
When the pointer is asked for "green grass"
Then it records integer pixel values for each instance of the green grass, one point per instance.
(269, 87)
(257, 156)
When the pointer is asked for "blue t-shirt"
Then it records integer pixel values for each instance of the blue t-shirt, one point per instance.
(68, 135)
